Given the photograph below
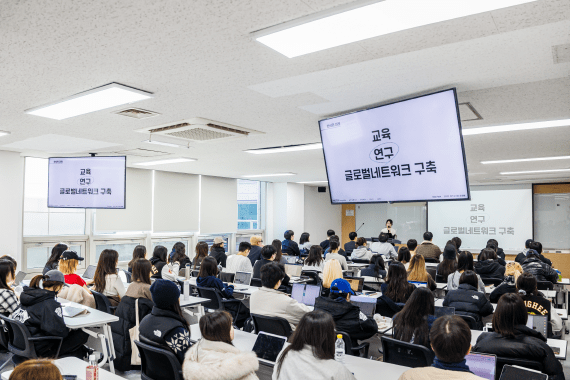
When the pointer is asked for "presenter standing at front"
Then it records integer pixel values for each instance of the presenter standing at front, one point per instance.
(389, 230)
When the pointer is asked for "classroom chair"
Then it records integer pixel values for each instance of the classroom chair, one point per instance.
(158, 363)
(386, 307)
(217, 301)
(128, 276)
(272, 325)
(473, 325)
(255, 282)
(102, 303)
(491, 281)
(432, 271)
(195, 273)
(21, 344)
(360, 261)
(313, 274)
(432, 260)
(519, 362)
(544, 285)
(360, 350)
(406, 354)
(227, 277)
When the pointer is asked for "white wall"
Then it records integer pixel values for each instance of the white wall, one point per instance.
(11, 204)
(295, 209)
(320, 215)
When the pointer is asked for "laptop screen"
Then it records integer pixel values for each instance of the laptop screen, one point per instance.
(538, 323)
(305, 294)
(367, 305)
(482, 365)
(293, 270)
(290, 259)
(89, 272)
(242, 278)
(440, 311)
(418, 284)
(356, 283)
(19, 278)
(268, 346)
(513, 372)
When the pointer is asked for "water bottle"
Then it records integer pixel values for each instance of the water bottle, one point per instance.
(187, 273)
(92, 369)
(339, 349)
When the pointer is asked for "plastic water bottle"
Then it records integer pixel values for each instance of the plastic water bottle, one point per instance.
(339, 349)
(187, 273)
(92, 368)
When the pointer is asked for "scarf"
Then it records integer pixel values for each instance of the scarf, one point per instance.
(461, 366)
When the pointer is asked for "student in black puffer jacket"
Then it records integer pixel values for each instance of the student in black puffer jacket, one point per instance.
(512, 339)
(218, 252)
(532, 246)
(540, 270)
(487, 265)
(467, 300)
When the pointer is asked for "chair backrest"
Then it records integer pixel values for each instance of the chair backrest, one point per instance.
(431, 260)
(19, 342)
(501, 361)
(432, 271)
(227, 277)
(128, 276)
(102, 303)
(313, 274)
(544, 285)
(360, 261)
(213, 295)
(158, 363)
(347, 343)
(195, 273)
(255, 282)
(406, 354)
(386, 307)
(473, 325)
(272, 325)
(491, 281)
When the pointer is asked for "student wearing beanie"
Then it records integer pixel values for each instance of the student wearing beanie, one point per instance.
(165, 325)
(448, 265)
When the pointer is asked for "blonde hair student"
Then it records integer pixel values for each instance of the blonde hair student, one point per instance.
(331, 272)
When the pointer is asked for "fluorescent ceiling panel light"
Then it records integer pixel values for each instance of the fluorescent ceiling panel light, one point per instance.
(4, 133)
(314, 182)
(97, 99)
(517, 127)
(267, 175)
(537, 171)
(163, 162)
(526, 160)
(283, 149)
(332, 28)
(165, 144)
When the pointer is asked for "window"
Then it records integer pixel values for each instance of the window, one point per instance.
(170, 243)
(249, 196)
(39, 220)
(124, 248)
(37, 254)
(210, 240)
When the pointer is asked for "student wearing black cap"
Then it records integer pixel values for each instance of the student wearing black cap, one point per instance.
(68, 266)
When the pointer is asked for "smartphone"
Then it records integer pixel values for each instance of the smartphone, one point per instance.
(69, 377)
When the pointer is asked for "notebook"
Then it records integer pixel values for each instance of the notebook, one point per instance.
(305, 294)
(89, 272)
(268, 346)
(242, 278)
(418, 284)
(356, 283)
(440, 311)
(538, 323)
(293, 270)
(482, 365)
(513, 372)
(70, 311)
(367, 305)
(19, 278)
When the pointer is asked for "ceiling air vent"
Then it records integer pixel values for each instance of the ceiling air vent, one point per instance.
(137, 113)
(468, 113)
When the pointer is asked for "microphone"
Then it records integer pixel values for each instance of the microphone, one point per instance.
(360, 227)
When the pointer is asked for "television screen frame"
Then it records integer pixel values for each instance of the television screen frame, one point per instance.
(93, 208)
(454, 89)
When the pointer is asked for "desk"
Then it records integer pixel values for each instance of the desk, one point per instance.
(559, 343)
(192, 301)
(243, 289)
(372, 280)
(357, 265)
(74, 366)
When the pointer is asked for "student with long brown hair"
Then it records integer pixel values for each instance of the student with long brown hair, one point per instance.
(397, 288)
(314, 260)
(279, 252)
(179, 255)
(449, 263)
(418, 272)
(8, 299)
(138, 253)
(201, 253)
(33, 369)
(106, 280)
(140, 281)
(413, 322)
(53, 260)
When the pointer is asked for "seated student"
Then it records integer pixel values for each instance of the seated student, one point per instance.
(334, 255)
(53, 260)
(201, 253)
(448, 265)
(270, 302)
(256, 245)
(513, 339)
(140, 281)
(106, 280)
(218, 252)
(326, 243)
(278, 252)
(10, 259)
(494, 246)
(464, 262)
(404, 256)
(413, 322)
(361, 251)
(268, 254)
(165, 325)
(158, 260)
(138, 253)
(427, 249)
(178, 255)
(315, 259)
(376, 268)
(331, 272)
(397, 288)
(418, 272)
(347, 317)
(340, 250)
(304, 242)
(467, 300)
(412, 244)
(540, 270)
(239, 262)
(536, 304)
(487, 265)
(310, 354)
(42, 315)
(43, 369)
(536, 246)
(214, 356)
(68, 266)
(382, 247)
(509, 284)
(351, 245)
(207, 278)
(8, 298)
(450, 339)
(457, 242)
(290, 247)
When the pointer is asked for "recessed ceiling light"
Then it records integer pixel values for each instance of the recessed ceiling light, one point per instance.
(314, 182)
(267, 175)
(362, 20)
(166, 144)
(99, 98)
(4, 133)
(517, 127)
(163, 162)
(282, 149)
(537, 171)
(526, 160)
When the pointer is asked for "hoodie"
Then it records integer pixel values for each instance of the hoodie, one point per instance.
(214, 282)
(361, 253)
(219, 254)
(157, 265)
(489, 268)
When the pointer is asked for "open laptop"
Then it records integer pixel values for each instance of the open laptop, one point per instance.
(242, 278)
(418, 284)
(367, 305)
(290, 259)
(19, 278)
(513, 372)
(440, 311)
(356, 283)
(293, 270)
(305, 294)
(538, 323)
(268, 346)
(89, 272)
(482, 365)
